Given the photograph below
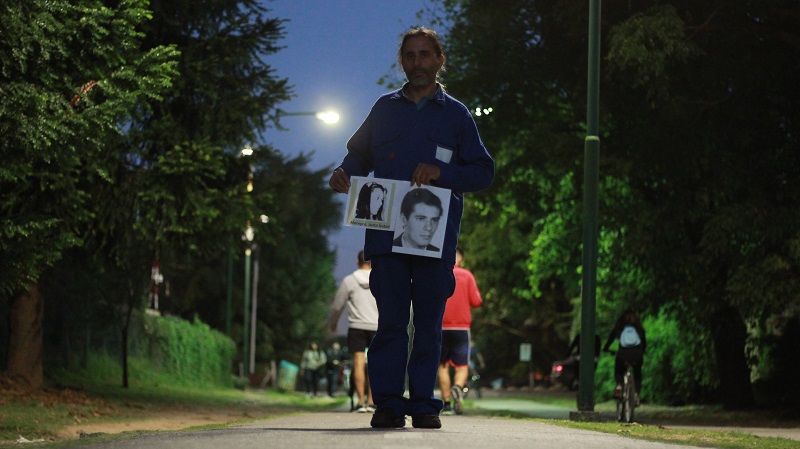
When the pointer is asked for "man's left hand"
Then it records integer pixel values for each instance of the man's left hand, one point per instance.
(424, 174)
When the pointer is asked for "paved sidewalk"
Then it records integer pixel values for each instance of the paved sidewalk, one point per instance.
(348, 430)
(342, 429)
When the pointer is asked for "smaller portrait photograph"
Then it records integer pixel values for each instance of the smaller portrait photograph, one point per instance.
(369, 203)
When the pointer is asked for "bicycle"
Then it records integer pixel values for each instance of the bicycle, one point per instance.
(629, 399)
(472, 383)
(347, 382)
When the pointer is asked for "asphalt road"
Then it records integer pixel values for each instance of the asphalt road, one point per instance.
(342, 429)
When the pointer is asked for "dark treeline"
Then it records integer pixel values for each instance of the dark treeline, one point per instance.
(699, 187)
(121, 140)
(121, 147)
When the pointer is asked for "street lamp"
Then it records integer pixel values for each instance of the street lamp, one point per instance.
(590, 186)
(246, 151)
(254, 303)
(248, 236)
(329, 117)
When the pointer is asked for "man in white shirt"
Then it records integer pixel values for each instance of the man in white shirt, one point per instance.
(363, 322)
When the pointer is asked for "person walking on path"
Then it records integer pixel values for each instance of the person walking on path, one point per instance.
(312, 363)
(363, 322)
(424, 136)
(333, 364)
(456, 336)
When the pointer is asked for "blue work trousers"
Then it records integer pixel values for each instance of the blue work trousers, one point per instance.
(398, 282)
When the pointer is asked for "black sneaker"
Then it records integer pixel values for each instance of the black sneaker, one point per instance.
(426, 422)
(458, 395)
(384, 418)
(447, 410)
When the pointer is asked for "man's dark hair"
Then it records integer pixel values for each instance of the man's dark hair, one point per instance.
(421, 31)
(361, 260)
(417, 196)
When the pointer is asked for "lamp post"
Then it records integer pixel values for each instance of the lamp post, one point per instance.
(254, 303)
(246, 151)
(248, 236)
(590, 186)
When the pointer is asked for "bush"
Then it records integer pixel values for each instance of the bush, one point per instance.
(188, 353)
(165, 350)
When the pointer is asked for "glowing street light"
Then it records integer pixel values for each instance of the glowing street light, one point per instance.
(328, 117)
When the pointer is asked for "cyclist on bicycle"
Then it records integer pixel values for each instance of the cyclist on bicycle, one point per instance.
(632, 344)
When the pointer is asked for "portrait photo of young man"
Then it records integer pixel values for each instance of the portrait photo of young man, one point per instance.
(421, 211)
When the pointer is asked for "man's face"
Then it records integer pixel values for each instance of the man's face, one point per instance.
(420, 62)
(421, 225)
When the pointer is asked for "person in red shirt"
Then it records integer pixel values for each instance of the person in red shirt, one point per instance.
(456, 336)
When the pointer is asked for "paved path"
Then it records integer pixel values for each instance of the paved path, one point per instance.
(342, 429)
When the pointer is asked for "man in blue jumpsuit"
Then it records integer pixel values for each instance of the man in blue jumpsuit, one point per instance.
(422, 135)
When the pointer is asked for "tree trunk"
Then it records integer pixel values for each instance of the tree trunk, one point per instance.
(126, 327)
(124, 332)
(730, 336)
(25, 337)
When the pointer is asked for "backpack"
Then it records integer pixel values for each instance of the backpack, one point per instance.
(629, 337)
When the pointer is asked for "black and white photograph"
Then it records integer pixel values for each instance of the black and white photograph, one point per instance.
(369, 203)
(412, 213)
(417, 220)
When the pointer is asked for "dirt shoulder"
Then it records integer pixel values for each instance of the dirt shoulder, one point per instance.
(160, 420)
(58, 414)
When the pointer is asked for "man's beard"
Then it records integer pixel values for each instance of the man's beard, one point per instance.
(423, 81)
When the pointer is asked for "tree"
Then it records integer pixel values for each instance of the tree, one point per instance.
(296, 280)
(706, 79)
(178, 176)
(71, 72)
(531, 129)
(698, 118)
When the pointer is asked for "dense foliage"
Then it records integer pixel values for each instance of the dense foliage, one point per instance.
(698, 218)
(123, 122)
(163, 350)
(295, 263)
(70, 71)
(191, 352)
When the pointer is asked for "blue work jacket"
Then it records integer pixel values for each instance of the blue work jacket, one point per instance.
(398, 134)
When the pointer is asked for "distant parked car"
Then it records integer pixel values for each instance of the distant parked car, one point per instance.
(565, 372)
